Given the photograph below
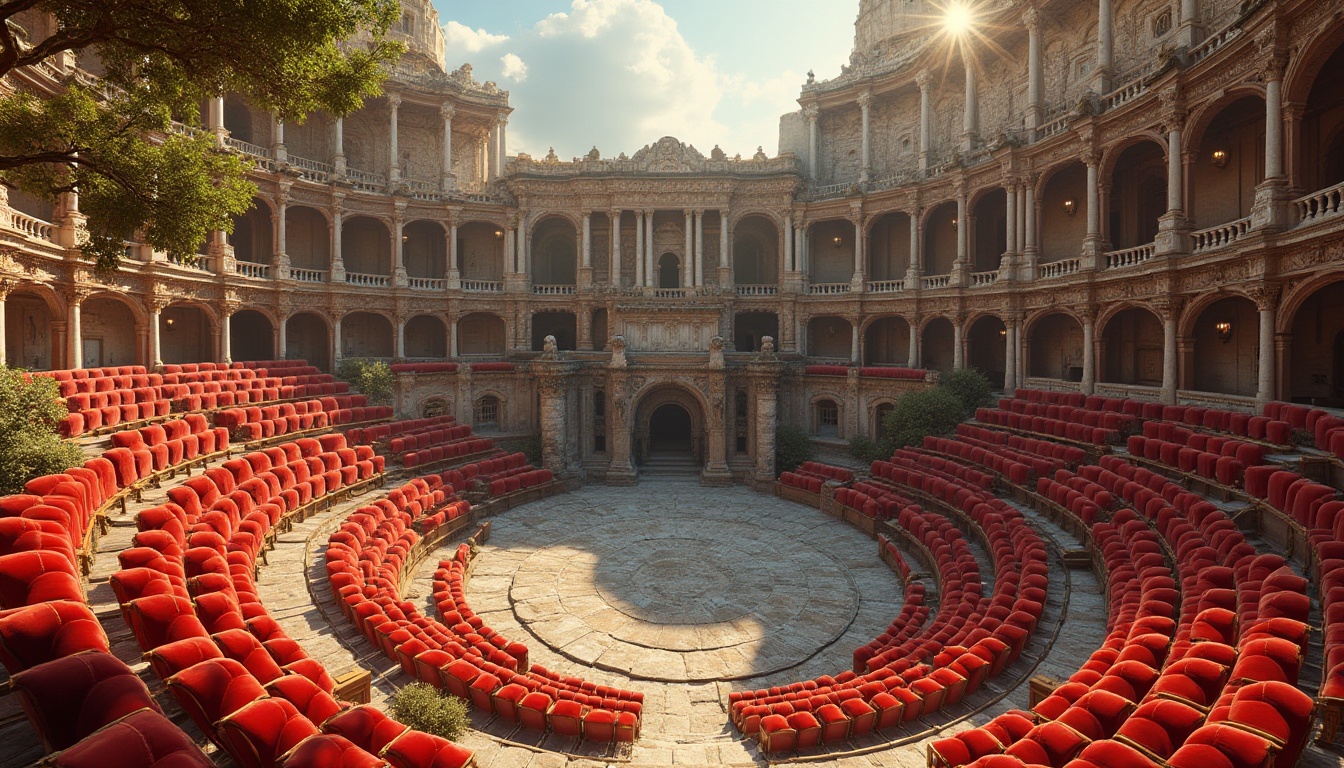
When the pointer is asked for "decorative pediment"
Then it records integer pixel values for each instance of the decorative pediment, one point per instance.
(668, 155)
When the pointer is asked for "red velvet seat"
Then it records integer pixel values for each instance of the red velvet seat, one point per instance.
(44, 632)
(163, 618)
(37, 576)
(1159, 726)
(416, 749)
(325, 751)
(1277, 711)
(142, 739)
(70, 698)
(366, 726)
(258, 734)
(214, 689)
(1223, 746)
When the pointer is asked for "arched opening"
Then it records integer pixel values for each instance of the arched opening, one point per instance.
(366, 246)
(184, 335)
(424, 250)
(1138, 195)
(238, 121)
(1316, 366)
(307, 238)
(366, 334)
(599, 333)
(426, 338)
(755, 251)
(887, 341)
(989, 230)
(252, 239)
(830, 251)
(1226, 347)
(1063, 212)
(986, 349)
(307, 338)
(554, 251)
(1132, 348)
(670, 430)
(829, 337)
(1055, 348)
(889, 247)
(30, 339)
(252, 336)
(750, 327)
(480, 251)
(108, 332)
(487, 414)
(562, 325)
(669, 271)
(936, 345)
(940, 240)
(312, 138)
(1229, 163)
(1322, 130)
(480, 333)
(826, 418)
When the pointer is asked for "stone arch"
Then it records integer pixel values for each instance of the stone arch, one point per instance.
(1223, 358)
(31, 341)
(1317, 143)
(251, 335)
(480, 250)
(989, 229)
(426, 336)
(877, 416)
(886, 340)
(560, 323)
(186, 332)
(109, 327)
(937, 340)
(308, 237)
(308, 337)
(366, 245)
(253, 237)
(1137, 177)
(553, 251)
(889, 246)
(1222, 188)
(986, 347)
(830, 251)
(1112, 153)
(669, 270)
(489, 411)
(481, 333)
(1131, 346)
(1303, 70)
(1060, 234)
(829, 336)
(1054, 346)
(826, 414)
(750, 326)
(755, 250)
(367, 334)
(424, 249)
(664, 393)
(938, 235)
(1313, 315)
(737, 216)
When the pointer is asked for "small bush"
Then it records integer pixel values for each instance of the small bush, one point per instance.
(925, 412)
(426, 708)
(866, 449)
(30, 411)
(373, 378)
(792, 448)
(969, 386)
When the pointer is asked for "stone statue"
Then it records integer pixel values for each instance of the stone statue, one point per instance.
(618, 351)
(717, 154)
(767, 348)
(716, 353)
(593, 154)
(551, 157)
(549, 350)
(811, 77)
(760, 154)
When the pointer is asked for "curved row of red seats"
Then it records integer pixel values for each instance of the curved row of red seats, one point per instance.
(809, 483)
(1019, 466)
(1057, 427)
(425, 438)
(1084, 499)
(381, 432)
(826, 470)
(945, 468)
(1120, 422)
(464, 446)
(1044, 448)
(365, 559)
(520, 479)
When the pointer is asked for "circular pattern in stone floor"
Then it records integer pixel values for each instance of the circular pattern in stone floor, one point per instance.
(651, 597)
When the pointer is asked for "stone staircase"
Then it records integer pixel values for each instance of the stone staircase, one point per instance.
(660, 464)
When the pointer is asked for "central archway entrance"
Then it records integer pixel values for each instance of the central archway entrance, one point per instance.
(670, 430)
(669, 433)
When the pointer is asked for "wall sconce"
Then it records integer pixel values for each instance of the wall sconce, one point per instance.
(405, 238)
(1220, 158)
(1003, 333)
(499, 233)
(1070, 207)
(168, 323)
(837, 240)
(954, 222)
(1224, 329)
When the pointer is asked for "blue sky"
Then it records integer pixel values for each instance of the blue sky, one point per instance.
(619, 74)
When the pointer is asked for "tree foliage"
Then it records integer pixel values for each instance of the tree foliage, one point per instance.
(110, 139)
(969, 386)
(426, 708)
(29, 445)
(373, 378)
(933, 411)
(792, 448)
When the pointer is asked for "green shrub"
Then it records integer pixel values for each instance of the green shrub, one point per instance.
(865, 448)
(925, 412)
(29, 445)
(792, 448)
(426, 708)
(373, 378)
(969, 386)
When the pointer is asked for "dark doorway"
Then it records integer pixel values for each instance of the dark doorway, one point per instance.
(670, 430)
(669, 271)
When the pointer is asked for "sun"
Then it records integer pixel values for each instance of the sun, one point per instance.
(958, 19)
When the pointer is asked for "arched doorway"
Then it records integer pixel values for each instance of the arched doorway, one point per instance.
(1055, 348)
(669, 434)
(1132, 348)
(185, 334)
(108, 330)
(669, 271)
(986, 349)
(252, 336)
(670, 430)
(1316, 366)
(1226, 348)
(307, 337)
(936, 345)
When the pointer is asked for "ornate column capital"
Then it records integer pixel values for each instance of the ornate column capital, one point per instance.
(394, 100)
(157, 302)
(228, 307)
(865, 99)
(76, 294)
(1091, 158)
(1265, 296)
(447, 110)
(1087, 312)
(1031, 18)
(811, 112)
(924, 79)
(1168, 307)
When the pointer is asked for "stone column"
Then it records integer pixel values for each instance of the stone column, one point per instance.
(511, 248)
(394, 155)
(281, 258)
(1189, 33)
(699, 248)
(1022, 214)
(400, 352)
(790, 249)
(281, 154)
(586, 250)
(501, 145)
(614, 271)
(958, 342)
(639, 250)
(916, 269)
(1266, 301)
(336, 343)
(452, 339)
(1170, 312)
(75, 354)
(4, 291)
(282, 339)
(155, 345)
(767, 412)
(1031, 252)
(970, 122)
(1175, 175)
(399, 251)
(913, 361)
(925, 81)
(1274, 123)
(622, 470)
(1031, 19)
(856, 282)
(446, 111)
(1270, 210)
(1105, 49)
(725, 264)
(855, 348)
(1010, 224)
(583, 318)
(338, 162)
(687, 267)
(963, 230)
(1092, 241)
(1173, 231)
(1089, 318)
(1010, 355)
(216, 121)
(650, 266)
(865, 147)
(811, 112)
(454, 270)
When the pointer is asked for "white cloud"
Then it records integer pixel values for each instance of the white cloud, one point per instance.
(460, 37)
(514, 68)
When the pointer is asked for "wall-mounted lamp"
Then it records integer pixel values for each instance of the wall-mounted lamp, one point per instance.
(405, 238)
(837, 240)
(168, 322)
(1220, 158)
(1003, 333)
(1224, 329)
(1070, 207)
(499, 233)
(954, 222)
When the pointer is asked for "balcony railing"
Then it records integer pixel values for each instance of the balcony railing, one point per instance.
(1131, 90)
(308, 275)
(1219, 236)
(672, 293)
(1059, 268)
(757, 290)
(1320, 205)
(248, 269)
(30, 225)
(554, 290)
(828, 289)
(312, 170)
(1213, 42)
(247, 147)
(934, 282)
(1129, 256)
(428, 283)
(979, 279)
(370, 182)
(886, 286)
(483, 286)
(201, 263)
(423, 190)
(368, 281)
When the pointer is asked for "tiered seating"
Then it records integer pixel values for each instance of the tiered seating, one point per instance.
(812, 475)
(1078, 424)
(177, 443)
(255, 423)
(1016, 466)
(1221, 459)
(381, 433)
(365, 560)
(916, 668)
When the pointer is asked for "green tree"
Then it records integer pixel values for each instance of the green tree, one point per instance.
(934, 411)
(111, 140)
(373, 378)
(29, 445)
(792, 448)
(969, 386)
